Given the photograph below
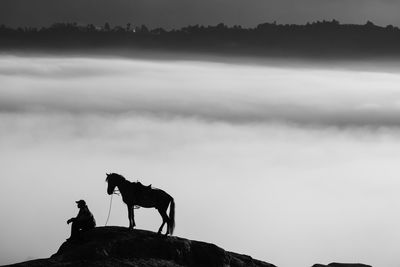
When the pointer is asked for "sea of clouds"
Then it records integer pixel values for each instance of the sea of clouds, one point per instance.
(265, 159)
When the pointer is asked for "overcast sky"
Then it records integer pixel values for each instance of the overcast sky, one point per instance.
(177, 13)
(267, 160)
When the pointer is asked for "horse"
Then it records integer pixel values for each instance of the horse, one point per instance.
(136, 194)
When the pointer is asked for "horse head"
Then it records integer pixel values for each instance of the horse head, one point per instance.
(112, 182)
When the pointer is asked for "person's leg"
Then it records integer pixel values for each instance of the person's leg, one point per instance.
(74, 229)
(87, 226)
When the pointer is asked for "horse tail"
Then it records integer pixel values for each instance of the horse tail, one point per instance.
(171, 224)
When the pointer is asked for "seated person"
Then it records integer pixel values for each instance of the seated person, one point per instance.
(83, 221)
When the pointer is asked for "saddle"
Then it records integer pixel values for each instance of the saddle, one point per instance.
(144, 186)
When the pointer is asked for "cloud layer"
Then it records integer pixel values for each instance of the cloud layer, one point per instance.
(283, 159)
(231, 93)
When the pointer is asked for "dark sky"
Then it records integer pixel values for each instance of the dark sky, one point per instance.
(177, 13)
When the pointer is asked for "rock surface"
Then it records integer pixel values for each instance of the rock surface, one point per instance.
(335, 264)
(118, 246)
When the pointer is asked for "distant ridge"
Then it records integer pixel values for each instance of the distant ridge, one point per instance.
(335, 264)
(317, 39)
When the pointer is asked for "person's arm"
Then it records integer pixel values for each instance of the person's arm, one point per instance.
(73, 219)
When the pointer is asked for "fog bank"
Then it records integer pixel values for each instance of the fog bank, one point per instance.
(261, 159)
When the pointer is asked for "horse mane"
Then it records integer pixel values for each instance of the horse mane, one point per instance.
(115, 176)
(118, 177)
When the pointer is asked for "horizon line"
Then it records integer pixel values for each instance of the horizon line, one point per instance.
(79, 24)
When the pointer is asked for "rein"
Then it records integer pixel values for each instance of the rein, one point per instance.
(109, 210)
(116, 192)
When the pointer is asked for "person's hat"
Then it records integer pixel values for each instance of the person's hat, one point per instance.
(81, 202)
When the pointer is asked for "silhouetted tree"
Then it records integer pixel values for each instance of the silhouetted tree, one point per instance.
(90, 28)
(158, 31)
(328, 36)
(107, 27)
(369, 24)
(144, 29)
(118, 29)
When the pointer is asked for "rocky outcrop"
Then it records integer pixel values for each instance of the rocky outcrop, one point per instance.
(118, 246)
(335, 264)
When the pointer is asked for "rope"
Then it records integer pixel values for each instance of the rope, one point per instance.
(116, 192)
(109, 210)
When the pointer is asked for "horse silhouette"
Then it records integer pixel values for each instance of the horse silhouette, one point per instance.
(136, 194)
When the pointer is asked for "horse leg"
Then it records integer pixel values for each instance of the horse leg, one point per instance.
(131, 217)
(165, 218)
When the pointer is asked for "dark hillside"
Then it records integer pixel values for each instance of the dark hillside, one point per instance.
(118, 246)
